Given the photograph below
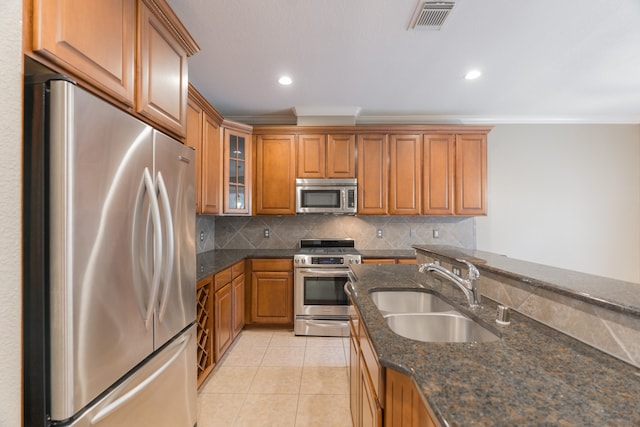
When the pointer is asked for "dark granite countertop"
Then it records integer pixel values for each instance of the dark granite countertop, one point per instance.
(211, 262)
(613, 294)
(534, 375)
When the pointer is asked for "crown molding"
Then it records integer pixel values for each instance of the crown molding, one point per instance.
(426, 119)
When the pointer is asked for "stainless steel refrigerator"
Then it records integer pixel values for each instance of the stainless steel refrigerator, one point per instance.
(109, 265)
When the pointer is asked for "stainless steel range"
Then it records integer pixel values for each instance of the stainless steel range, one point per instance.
(321, 269)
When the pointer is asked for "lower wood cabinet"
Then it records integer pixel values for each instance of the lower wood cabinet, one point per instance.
(237, 290)
(380, 396)
(404, 406)
(220, 315)
(272, 291)
(224, 320)
(366, 379)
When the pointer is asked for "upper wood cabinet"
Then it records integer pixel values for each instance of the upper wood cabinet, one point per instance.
(373, 174)
(203, 134)
(401, 170)
(93, 40)
(326, 156)
(134, 53)
(312, 156)
(162, 63)
(471, 174)
(237, 168)
(438, 174)
(275, 174)
(404, 174)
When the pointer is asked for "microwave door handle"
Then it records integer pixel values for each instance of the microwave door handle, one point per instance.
(344, 198)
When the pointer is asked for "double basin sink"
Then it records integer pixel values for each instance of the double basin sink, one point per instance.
(423, 316)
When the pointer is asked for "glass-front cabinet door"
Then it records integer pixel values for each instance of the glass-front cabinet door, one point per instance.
(237, 179)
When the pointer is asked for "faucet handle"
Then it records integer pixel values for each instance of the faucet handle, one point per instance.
(474, 274)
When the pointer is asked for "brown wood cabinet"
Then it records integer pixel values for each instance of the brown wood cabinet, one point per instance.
(133, 53)
(326, 156)
(203, 134)
(401, 170)
(272, 291)
(404, 406)
(374, 390)
(229, 306)
(366, 382)
(204, 328)
(341, 156)
(238, 297)
(275, 174)
(162, 61)
(224, 317)
(237, 168)
(471, 174)
(373, 174)
(405, 172)
(355, 389)
(93, 40)
(438, 174)
(312, 156)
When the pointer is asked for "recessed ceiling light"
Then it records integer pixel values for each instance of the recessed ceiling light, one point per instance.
(285, 80)
(473, 74)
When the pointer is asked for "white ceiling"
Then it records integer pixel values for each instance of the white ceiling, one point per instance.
(542, 60)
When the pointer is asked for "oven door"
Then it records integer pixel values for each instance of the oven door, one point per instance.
(319, 292)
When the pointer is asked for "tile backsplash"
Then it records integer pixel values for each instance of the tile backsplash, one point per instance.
(398, 232)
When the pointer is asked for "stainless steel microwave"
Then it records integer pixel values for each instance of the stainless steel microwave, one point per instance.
(319, 195)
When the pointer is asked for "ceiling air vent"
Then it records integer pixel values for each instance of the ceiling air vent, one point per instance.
(430, 15)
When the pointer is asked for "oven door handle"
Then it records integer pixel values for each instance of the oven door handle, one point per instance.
(323, 272)
(346, 289)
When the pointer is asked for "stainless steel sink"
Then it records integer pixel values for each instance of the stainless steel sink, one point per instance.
(449, 327)
(408, 302)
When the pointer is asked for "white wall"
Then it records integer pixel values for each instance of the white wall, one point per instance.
(10, 212)
(566, 196)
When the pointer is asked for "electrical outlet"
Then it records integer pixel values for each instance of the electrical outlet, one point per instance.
(202, 236)
(456, 270)
(413, 233)
(379, 233)
(436, 233)
(266, 233)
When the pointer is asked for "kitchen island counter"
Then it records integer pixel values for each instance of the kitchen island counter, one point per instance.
(534, 375)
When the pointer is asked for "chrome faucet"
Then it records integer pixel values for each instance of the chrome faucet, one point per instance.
(469, 285)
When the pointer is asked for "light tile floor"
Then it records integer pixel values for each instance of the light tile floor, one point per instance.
(273, 378)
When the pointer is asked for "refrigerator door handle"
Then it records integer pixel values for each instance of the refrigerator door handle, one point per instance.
(157, 247)
(166, 206)
(111, 408)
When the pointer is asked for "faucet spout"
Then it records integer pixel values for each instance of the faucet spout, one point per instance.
(468, 286)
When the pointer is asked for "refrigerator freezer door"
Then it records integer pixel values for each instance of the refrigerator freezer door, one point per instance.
(99, 291)
(162, 393)
(175, 180)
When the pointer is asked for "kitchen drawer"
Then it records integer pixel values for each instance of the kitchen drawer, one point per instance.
(237, 269)
(222, 278)
(272, 264)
